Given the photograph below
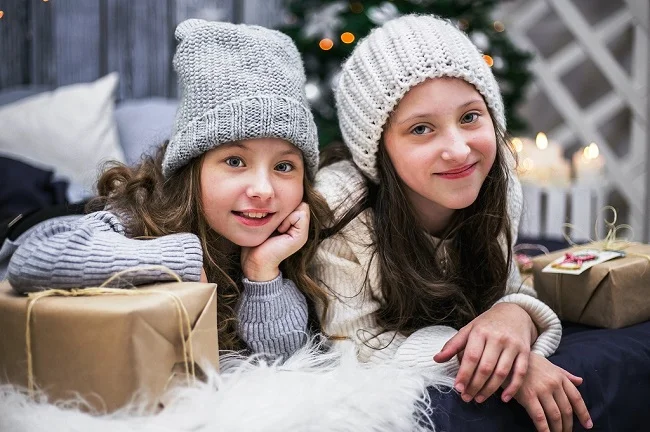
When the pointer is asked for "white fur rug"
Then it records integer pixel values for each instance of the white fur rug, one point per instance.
(309, 392)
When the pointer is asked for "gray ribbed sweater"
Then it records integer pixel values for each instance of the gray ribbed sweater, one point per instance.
(86, 250)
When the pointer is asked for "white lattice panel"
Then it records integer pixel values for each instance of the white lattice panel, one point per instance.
(625, 92)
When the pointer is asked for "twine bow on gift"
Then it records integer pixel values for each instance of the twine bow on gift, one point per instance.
(611, 242)
(183, 316)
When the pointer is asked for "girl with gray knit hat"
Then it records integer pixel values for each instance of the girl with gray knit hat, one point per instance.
(418, 261)
(228, 199)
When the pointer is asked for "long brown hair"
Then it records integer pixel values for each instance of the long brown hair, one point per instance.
(155, 206)
(417, 289)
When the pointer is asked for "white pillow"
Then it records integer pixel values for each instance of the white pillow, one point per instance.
(70, 130)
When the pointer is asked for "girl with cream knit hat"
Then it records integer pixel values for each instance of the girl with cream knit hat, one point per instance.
(418, 261)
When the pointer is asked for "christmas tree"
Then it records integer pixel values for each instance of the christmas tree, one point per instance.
(327, 31)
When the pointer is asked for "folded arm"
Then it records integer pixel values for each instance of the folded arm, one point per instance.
(83, 252)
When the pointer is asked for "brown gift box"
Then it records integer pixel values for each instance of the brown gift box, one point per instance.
(107, 349)
(612, 294)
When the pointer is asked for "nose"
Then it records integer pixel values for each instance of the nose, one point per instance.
(457, 148)
(260, 186)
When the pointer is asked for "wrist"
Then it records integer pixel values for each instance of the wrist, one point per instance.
(261, 274)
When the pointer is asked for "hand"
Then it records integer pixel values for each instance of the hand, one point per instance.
(491, 348)
(262, 263)
(204, 276)
(550, 397)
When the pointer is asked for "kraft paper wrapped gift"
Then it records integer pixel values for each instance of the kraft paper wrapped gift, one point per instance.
(612, 294)
(107, 349)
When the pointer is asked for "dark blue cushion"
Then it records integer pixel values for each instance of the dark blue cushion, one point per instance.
(615, 365)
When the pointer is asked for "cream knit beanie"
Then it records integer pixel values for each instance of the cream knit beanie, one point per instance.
(391, 60)
(238, 82)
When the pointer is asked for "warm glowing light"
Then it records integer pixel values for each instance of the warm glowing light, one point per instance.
(312, 91)
(591, 151)
(2, 13)
(45, 1)
(326, 44)
(517, 144)
(489, 60)
(527, 164)
(347, 37)
(498, 26)
(541, 141)
(356, 7)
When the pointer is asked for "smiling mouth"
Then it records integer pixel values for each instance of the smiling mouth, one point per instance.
(459, 170)
(253, 215)
(250, 218)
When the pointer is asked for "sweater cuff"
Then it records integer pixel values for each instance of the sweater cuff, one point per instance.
(544, 318)
(267, 289)
(182, 253)
(420, 347)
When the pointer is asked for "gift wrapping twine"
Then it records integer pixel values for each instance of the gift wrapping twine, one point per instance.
(611, 242)
(183, 316)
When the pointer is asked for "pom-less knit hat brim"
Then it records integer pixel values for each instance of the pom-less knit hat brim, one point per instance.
(390, 61)
(238, 82)
(248, 118)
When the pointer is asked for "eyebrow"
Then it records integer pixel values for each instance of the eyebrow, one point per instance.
(426, 115)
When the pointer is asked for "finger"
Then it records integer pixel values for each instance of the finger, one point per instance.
(485, 368)
(536, 413)
(552, 412)
(471, 359)
(453, 346)
(566, 410)
(517, 376)
(578, 404)
(576, 380)
(498, 377)
(297, 219)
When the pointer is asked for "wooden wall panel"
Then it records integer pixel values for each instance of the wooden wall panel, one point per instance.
(77, 40)
(60, 42)
(152, 48)
(13, 44)
(42, 64)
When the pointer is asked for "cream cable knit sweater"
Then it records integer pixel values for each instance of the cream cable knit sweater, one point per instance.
(341, 264)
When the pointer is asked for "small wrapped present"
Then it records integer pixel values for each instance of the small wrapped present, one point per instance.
(110, 347)
(580, 287)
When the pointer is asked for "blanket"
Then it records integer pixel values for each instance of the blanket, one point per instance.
(311, 391)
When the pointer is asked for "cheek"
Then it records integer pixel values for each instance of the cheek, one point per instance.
(487, 146)
(218, 193)
(290, 193)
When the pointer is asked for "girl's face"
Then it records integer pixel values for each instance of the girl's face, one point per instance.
(249, 187)
(442, 144)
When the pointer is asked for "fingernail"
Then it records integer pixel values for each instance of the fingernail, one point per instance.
(507, 398)
(590, 424)
(479, 399)
(460, 388)
(466, 397)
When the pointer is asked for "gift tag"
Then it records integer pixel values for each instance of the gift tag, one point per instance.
(574, 263)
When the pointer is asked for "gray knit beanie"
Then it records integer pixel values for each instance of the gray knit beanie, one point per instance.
(391, 60)
(238, 82)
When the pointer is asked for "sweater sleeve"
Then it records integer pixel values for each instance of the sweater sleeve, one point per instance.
(350, 318)
(343, 267)
(525, 296)
(68, 253)
(272, 317)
